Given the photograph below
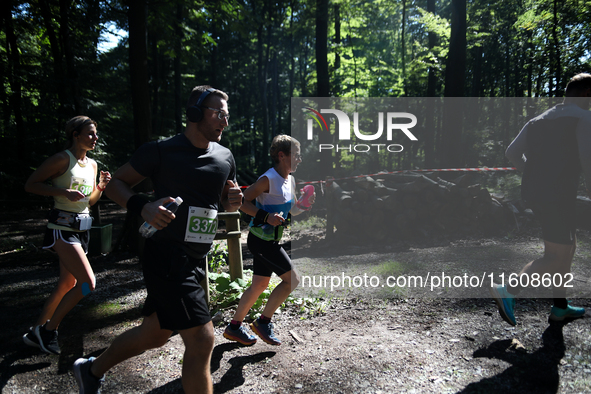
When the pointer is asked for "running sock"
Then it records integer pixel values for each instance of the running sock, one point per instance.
(235, 324)
(264, 319)
(561, 303)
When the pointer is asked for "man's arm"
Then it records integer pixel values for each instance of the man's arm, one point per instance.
(517, 149)
(584, 144)
(120, 191)
(120, 188)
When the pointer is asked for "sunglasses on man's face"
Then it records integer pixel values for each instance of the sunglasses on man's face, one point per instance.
(221, 114)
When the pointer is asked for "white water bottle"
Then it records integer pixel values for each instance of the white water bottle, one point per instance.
(147, 230)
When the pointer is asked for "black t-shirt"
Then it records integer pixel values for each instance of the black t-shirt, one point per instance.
(553, 168)
(179, 169)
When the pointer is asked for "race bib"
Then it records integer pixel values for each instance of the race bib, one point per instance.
(82, 186)
(201, 225)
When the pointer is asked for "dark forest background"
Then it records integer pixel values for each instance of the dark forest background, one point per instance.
(263, 53)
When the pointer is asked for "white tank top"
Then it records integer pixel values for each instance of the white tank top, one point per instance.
(78, 178)
(280, 198)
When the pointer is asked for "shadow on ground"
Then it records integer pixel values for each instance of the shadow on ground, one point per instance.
(532, 372)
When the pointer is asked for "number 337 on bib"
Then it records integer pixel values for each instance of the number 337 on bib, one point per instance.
(202, 225)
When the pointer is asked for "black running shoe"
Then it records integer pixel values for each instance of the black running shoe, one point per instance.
(47, 340)
(87, 383)
(30, 338)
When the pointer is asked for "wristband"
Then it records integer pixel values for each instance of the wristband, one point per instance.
(100, 189)
(262, 215)
(136, 203)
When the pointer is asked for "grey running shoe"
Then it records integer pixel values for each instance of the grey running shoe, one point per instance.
(265, 331)
(47, 340)
(239, 335)
(30, 338)
(87, 383)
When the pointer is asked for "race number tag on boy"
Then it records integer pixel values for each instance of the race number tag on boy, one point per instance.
(202, 225)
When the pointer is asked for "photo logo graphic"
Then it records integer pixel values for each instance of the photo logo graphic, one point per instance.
(315, 115)
(344, 129)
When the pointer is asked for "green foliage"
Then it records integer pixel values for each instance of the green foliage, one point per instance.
(225, 294)
(217, 257)
(390, 268)
(263, 55)
(105, 309)
(531, 19)
(435, 24)
(311, 222)
(308, 306)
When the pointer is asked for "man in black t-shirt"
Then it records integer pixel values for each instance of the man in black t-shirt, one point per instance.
(193, 166)
(551, 150)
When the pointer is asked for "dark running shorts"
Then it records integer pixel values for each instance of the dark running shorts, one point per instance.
(268, 257)
(172, 281)
(69, 237)
(558, 221)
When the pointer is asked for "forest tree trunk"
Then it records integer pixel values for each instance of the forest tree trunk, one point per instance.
(138, 67)
(452, 152)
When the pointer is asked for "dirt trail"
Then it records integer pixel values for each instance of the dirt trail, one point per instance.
(357, 344)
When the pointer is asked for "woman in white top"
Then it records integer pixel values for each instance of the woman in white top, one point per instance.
(72, 183)
(274, 195)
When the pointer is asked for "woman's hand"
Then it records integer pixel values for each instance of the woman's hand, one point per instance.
(73, 195)
(275, 219)
(104, 180)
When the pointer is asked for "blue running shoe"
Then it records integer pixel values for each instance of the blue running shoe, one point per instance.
(505, 301)
(239, 335)
(265, 331)
(571, 312)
